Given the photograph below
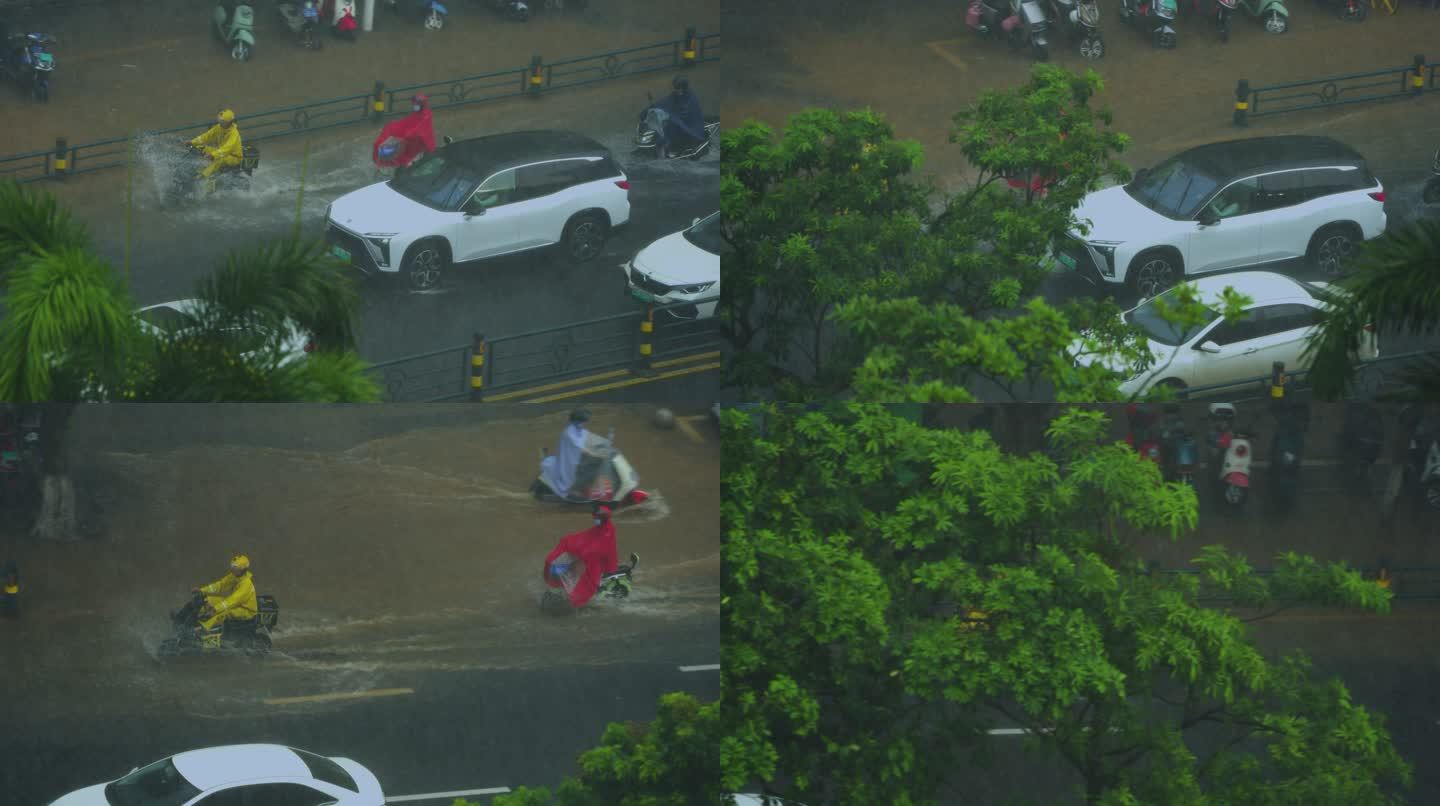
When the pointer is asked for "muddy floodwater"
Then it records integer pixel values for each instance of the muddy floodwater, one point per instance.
(415, 548)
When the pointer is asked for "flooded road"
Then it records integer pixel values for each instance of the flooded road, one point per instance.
(413, 551)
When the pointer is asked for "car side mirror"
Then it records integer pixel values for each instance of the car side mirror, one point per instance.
(472, 209)
(1208, 218)
(1208, 347)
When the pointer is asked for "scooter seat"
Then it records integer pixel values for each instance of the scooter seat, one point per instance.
(245, 16)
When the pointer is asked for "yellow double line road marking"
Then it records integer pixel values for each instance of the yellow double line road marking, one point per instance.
(343, 695)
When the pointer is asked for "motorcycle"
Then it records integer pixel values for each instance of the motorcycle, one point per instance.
(1231, 453)
(27, 61)
(186, 180)
(603, 475)
(1142, 434)
(652, 122)
(1273, 13)
(1287, 453)
(1223, 10)
(236, 30)
(1423, 461)
(1024, 22)
(1362, 437)
(434, 11)
(302, 20)
(236, 637)
(567, 568)
(517, 10)
(1431, 194)
(1156, 18)
(1178, 448)
(1081, 21)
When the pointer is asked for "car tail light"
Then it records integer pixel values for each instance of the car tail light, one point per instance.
(309, 346)
(624, 184)
(1378, 196)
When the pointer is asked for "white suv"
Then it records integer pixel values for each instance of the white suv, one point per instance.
(481, 198)
(1224, 206)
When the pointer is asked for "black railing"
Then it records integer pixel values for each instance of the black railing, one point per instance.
(375, 105)
(1376, 86)
(607, 344)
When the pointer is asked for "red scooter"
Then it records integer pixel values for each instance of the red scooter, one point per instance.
(1143, 436)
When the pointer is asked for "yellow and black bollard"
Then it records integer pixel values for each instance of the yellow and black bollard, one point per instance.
(377, 101)
(1242, 103)
(536, 76)
(687, 53)
(1417, 77)
(647, 336)
(1278, 379)
(477, 369)
(62, 153)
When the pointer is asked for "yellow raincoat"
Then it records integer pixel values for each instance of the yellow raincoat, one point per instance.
(222, 146)
(232, 597)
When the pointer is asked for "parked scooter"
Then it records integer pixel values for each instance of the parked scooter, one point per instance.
(1156, 18)
(1431, 194)
(1272, 13)
(647, 137)
(235, 27)
(1423, 461)
(1224, 9)
(433, 12)
(1287, 454)
(26, 60)
(1178, 449)
(341, 14)
(1019, 23)
(517, 10)
(303, 20)
(1143, 434)
(1231, 454)
(1362, 437)
(1349, 10)
(1080, 19)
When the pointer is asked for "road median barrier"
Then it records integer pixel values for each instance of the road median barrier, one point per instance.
(1376, 86)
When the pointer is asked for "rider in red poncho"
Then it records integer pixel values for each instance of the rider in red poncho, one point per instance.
(596, 551)
(403, 140)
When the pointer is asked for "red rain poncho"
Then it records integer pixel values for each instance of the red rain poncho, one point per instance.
(595, 548)
(415, 131)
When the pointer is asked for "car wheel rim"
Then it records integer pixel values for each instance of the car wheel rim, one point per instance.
(434, 23)
(425, 270)
(1092, 49)
(1334, 251)
(1276, 24)
(1154, 277)
(585, 241)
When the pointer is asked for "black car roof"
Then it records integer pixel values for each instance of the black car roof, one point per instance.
(1234, 158)
(494, 152)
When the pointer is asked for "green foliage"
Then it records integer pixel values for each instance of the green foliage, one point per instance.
(890, 590)
(672, 761)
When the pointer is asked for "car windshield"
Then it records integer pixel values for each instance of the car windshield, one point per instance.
(159, 784)
(328, 771)
(434, 182)
(1147, 317)
(1174, 189)
(166, 319)
(706, 234)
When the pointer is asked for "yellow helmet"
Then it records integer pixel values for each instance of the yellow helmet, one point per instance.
(240, 562)
(226, 116)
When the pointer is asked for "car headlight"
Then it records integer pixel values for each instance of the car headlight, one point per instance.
(694, 289)
(328, 208)
(379, 245)
(1106, 250)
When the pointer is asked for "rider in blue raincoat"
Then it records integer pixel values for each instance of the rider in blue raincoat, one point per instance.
(684, 122)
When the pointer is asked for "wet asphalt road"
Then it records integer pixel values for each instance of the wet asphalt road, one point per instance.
(476, 730)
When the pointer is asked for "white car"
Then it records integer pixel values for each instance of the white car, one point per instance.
(238, 775)
(1227, 205)
(1276, 326)
(168, 318)
(681, 267)
(481, 198)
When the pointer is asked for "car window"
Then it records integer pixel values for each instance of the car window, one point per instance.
(1147, 317)
(1174, 188)
(1326, 181)
(268, 795)
(1243, 329)
(493, 192)
(159, 784)
(534, 181)
(706, 234)
(434, 182)
(165, 319)
(328, 771)
(1275, 319)
(1238, 198)
(1281, 189)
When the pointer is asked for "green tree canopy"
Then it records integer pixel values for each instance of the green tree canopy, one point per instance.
(890, 591)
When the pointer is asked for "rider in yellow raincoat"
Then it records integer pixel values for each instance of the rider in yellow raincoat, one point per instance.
(231, 596)
(221, 143)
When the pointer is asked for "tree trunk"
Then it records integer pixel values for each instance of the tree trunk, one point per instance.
(57, 518)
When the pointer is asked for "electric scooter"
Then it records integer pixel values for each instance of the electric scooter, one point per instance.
(26, 60)
(302, 20)
(1231, 453)
(1272, 13)
(236, 29)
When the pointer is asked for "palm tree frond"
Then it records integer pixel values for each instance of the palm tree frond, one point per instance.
(31, 221)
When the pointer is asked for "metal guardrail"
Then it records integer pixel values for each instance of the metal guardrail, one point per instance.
(1352, 88)
(534, 79)
(552, 354)
(1372, 378)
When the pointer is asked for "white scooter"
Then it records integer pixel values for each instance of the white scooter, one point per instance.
(236, 30)
(1232, 451)
(303, 20)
